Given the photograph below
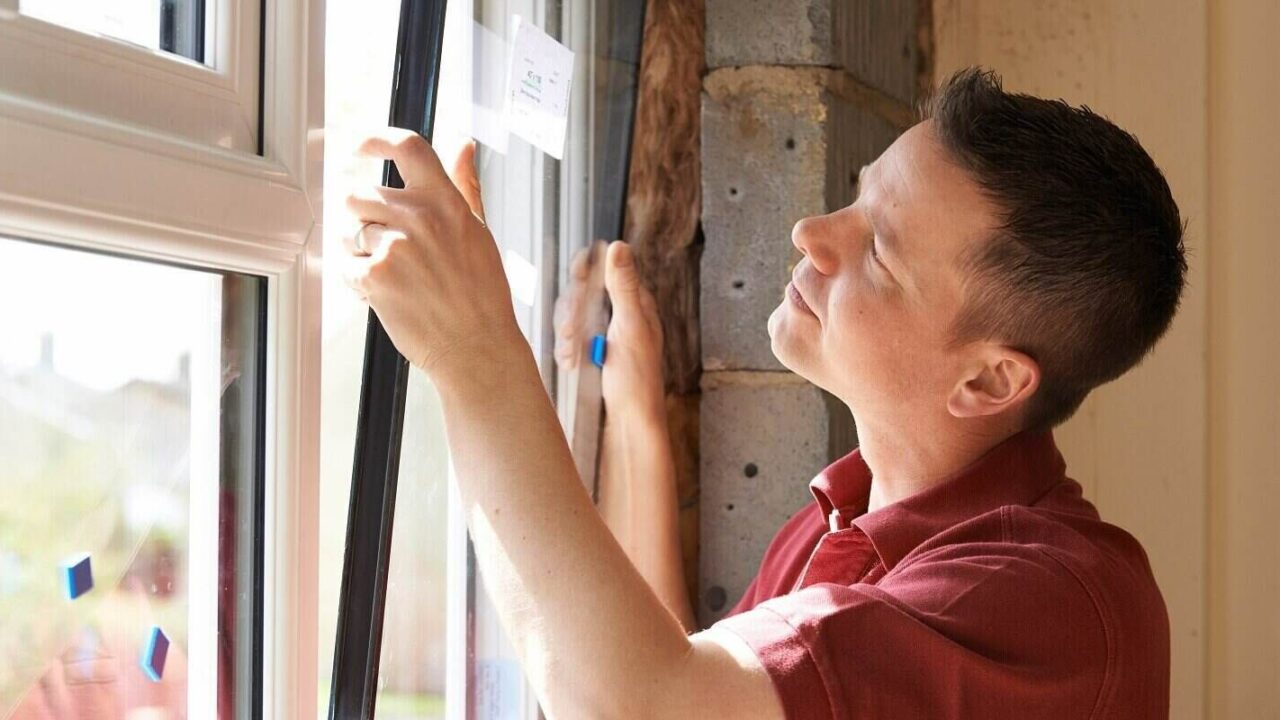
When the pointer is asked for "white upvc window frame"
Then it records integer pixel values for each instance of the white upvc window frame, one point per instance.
(87, 176)
(60, 68)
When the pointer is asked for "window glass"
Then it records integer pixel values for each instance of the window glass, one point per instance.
(443, 652)
(176, 26)
(360, 45)
(440, 630)
(519, 184)
(131, 436)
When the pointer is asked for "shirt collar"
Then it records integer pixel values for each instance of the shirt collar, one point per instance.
(1018, 471)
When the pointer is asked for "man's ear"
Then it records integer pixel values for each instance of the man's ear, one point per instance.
(1001, 380)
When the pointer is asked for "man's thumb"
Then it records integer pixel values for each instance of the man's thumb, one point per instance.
(620, 276)
(464, 178)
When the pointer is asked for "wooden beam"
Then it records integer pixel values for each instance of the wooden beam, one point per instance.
(662, 225)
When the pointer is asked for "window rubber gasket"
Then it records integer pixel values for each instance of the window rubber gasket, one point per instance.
(380, 423)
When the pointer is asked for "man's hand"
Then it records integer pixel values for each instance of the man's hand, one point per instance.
(631, 380)
(425, 261)
(637, 491)
(593, 638)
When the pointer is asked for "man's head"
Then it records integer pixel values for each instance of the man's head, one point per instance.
(1003, 257)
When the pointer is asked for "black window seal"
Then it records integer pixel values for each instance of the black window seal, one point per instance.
(625, 34)
(379, 425)
(258, 548)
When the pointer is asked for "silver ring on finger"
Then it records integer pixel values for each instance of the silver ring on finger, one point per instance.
(359, 239)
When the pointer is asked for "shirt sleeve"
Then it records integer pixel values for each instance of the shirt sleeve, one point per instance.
(964, 631)
(783, 559)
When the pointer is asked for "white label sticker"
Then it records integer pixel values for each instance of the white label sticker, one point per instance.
(538, 81)
(497, 689)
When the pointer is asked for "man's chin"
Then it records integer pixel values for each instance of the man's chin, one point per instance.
(782, 344)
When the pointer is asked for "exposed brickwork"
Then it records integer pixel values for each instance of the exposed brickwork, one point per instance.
(801, 94)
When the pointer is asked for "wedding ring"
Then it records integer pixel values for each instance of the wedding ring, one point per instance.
(359, 239)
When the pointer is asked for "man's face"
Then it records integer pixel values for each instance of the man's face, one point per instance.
(883, 280)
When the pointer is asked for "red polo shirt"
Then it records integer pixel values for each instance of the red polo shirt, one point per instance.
(998, 593)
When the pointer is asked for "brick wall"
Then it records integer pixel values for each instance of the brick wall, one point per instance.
(799, 94)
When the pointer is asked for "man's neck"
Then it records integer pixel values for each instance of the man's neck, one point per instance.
(904, 463)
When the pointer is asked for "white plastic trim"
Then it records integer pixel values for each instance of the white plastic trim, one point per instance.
(80, 176)
(69, 71)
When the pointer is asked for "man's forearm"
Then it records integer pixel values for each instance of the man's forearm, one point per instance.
(592, 635)
(639, 502)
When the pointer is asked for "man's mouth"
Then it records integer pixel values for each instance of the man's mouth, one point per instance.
(794, 294)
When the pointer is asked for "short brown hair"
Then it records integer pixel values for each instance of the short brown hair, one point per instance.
(1086, 268)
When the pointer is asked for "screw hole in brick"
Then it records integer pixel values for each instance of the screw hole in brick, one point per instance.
(750, 470)
(716, 598)
(733, 192)
(738, 284)
(791, 143)
(729, 506)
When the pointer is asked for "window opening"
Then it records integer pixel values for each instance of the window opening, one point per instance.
(131, 530)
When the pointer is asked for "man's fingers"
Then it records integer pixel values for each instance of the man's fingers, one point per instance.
(353, 239)
(565, 355)
(620, 276)
(465, 179)
(414, 158)
(599, 249)
(578, 266)
(355, 273)
(566, 314)
(373, 205)
(369, 238)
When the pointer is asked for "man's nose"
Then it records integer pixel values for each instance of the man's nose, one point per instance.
(812, 236)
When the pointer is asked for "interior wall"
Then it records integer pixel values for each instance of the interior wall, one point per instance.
(1244, 360)
(1182, 450)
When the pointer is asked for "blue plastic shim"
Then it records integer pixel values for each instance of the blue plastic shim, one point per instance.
(597, 350)
(156, 652)
(77, 575)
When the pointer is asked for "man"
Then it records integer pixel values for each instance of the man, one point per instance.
(1003, 257)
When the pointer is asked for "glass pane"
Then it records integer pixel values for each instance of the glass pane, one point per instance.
(442, 647)
(413, 669)
(131, 439)
(440, 628)
(176, 26)
(519, 184)
(360, 44)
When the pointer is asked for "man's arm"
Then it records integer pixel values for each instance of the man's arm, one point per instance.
(637, 482)
(593, 637)
(639, 504)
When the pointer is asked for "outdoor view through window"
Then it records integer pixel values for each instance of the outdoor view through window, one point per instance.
(176, 26)
(128, 428)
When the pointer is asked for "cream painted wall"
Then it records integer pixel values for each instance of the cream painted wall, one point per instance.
(1244, 359)
(1182, 450)
(1193, 478)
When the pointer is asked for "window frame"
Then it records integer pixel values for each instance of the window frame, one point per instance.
(472, 626)
(107, 184)
(215, 105)
(380, 422)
